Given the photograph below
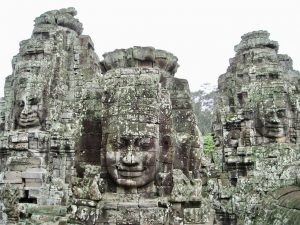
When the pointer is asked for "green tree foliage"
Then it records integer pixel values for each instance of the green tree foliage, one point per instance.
(203, 101)
(209, 145)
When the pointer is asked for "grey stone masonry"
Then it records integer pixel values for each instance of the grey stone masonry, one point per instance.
(90, 142)
(256, 131)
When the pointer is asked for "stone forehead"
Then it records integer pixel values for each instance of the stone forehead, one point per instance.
(133, 128)
(137, 93)
(27, 65)
(28, 92)
(274, 103)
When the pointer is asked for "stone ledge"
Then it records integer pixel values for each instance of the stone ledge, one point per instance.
(256, 39)
(62, 17)
(139, 57)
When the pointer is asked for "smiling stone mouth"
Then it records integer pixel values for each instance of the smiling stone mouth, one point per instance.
(274, 126)
(27, 120)
(130, 172)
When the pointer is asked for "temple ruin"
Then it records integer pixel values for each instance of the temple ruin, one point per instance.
(256, 130)
(85, 141)
(115, 141)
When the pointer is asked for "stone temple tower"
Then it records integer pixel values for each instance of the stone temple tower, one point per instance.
(45, 100)
(256, 130)
(150, 169)
(90, 142)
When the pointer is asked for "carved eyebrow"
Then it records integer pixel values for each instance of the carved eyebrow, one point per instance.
(281, 111)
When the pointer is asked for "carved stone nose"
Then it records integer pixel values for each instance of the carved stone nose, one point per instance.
(274, 119)
(130, 159)
(25, 110)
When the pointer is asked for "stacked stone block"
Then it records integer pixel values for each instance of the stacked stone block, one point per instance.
(84, 142)
(45, 101)
(150, 168)
(255, 129)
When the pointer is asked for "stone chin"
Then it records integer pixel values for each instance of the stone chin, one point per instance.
(275, 132)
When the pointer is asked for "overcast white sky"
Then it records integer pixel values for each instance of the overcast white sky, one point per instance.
(201, 33)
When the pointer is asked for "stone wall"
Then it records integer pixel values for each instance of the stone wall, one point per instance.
(56, 78)
(90, 142)
(256, 130)
(84, 141)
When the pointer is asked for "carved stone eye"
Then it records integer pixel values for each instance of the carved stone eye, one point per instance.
(270, 114)
(145, 144)
(281, 113)
(20, 103)
(120, 143)
(33, 101)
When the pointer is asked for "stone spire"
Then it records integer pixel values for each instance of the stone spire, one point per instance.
(255, 127)
(55, 79)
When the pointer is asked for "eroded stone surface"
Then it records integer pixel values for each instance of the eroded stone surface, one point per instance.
(81, 147)
(46, 99)
(256, 130)
(150, 166)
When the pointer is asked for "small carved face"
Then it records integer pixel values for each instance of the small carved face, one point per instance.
(131, 160)
(29, 111)
(273, 124)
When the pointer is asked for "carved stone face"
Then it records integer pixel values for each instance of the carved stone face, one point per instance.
(29, 111)
(131, 160)
(272, 122)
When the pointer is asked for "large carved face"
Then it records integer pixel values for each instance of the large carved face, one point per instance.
(272, 122)
(28, 110)
(131, 160)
